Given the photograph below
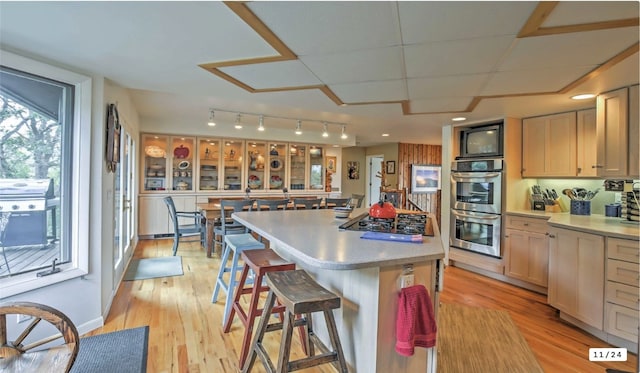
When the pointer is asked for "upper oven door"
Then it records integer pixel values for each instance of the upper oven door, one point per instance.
(477, 191)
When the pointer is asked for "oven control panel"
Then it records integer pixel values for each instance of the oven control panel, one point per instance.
(477, 165)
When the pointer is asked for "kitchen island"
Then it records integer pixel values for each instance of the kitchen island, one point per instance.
(364, 273)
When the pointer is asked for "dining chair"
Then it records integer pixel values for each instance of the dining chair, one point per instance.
(308, 203)
(335, 202)
(272, 204)
(180, 230)
(358, 200)
(4, 223)
(227, 225)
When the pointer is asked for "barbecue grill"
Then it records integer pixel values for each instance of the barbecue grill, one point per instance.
(28, 201)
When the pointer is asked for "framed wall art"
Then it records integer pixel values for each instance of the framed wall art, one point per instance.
(425, 178)
(331, 164)
(353, 169)
(391, 167)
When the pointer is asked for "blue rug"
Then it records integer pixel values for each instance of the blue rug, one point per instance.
(123, 351)
(165, 266)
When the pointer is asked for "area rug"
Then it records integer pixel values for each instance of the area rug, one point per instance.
(140, 269)
(472, 339)
(123, 351)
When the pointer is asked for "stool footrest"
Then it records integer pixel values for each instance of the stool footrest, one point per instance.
(311, 361)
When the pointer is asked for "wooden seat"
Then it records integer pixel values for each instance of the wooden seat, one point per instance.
(308, 203)
(300, 295)
(335, 202)
(260, 262)
(15, 357)
(272, 204)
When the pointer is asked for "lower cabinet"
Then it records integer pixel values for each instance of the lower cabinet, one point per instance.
(622, 289)
(526, 254)
(154, 216)
(576, 275)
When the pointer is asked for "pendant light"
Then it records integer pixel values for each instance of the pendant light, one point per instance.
(211, 116)
(261, 123)
(344, 134)
(238, 123)
(299, 128)
(325, 132)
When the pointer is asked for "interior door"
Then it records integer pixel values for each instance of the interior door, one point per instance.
(374, 165)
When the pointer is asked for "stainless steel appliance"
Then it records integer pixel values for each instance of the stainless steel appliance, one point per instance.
(483, 141)
(28, 201)
(476, 205)
(401, 224)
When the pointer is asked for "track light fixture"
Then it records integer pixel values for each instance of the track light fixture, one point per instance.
(238, 124)
(299, 128)
(211, 116)
(325, 132)
(261, 123)
(344, 134)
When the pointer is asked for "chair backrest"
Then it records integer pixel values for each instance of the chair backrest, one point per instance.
(272, 204)
(335, 202)
(358, 200)
(229, 206)
(172, 210)
(308, 203)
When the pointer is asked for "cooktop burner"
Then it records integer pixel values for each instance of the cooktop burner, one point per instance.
(402, 224)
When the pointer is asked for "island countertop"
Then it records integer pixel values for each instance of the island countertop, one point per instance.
(313, 237)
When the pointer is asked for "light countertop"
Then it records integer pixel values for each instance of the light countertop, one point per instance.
(313, 237)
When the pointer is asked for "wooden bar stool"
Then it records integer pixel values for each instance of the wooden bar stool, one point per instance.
(235, 243)
(299, 294)
(260, 262)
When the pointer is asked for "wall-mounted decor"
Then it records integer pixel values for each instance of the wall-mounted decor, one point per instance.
(353, 169)
(331, 164)
(113, 138)
(425, 178)
(391, 167)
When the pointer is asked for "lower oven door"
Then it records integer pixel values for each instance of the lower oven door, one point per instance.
(476, 231)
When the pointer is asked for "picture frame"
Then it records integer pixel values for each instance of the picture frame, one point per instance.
(391, 167)
(425, 178)
(332, 164)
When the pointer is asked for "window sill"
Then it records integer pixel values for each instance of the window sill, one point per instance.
(30, 281)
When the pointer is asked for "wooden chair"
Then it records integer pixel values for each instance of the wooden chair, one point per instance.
(308, 203)
(272, 204)
(17, 357)
(180, 230)
(335, 202)
(356, 200)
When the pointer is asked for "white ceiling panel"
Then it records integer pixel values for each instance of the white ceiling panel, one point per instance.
(578, 12)
(449, 86)
(436, 105)
(540, 80)
(428, 21)
(388, 90)
(575, 49)
(273, 74)
(358, 66)
(313, 27)
(456, 57)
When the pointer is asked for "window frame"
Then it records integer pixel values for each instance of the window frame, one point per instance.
(80, 173)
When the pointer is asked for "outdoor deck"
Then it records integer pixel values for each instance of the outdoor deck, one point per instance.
(24, 258)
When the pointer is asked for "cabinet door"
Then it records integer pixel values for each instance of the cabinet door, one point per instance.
(576, 275)
(612, 133)
(587, 143)
(549, 145)
(183, 203)
(153, 217)
(634, 132)
(527, 256)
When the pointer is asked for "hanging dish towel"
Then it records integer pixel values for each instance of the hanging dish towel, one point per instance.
(415, 323)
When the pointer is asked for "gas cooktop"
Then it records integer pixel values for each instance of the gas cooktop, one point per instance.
(402, 224)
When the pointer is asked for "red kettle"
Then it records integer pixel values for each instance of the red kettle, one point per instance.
(382, 210)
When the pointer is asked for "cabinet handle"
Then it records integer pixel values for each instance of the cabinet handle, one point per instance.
(506, 236)
(552, 236)
(579, 169)
(546, 233)
(526, 224)
(597, 166)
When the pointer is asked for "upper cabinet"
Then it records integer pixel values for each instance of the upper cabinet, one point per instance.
(154, 168)
(549, 146)
(587, 143)
(613, 133)
(182, 162)
(634, 132)
(209, 160)
(233, 151)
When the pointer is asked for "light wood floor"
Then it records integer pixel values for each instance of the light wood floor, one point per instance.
(185, 333)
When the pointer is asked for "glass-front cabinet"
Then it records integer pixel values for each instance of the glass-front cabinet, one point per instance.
(209, 156)
(182, 162)
(316, 168)
(256, 159)
(155, 162)
(298, 164)
(232, 164)
(277, 165)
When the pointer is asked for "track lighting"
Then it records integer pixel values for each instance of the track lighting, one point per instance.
(261, 125)
(325, 133)
(238, 124)
(344, 134)
(299, 128)
(211, 115)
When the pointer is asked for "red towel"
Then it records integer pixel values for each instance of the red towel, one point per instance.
(415, 324)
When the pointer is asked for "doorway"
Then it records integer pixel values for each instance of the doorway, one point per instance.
(123, 206)
(374, 166)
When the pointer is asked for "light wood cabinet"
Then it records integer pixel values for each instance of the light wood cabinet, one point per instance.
(154, 215)
(576, 275)
(634, 132)
(586, 143)
(622, 288)
(612, 133)
(526, 245)
(549, 145)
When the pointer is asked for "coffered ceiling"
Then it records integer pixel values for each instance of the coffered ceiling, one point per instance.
(402, 68)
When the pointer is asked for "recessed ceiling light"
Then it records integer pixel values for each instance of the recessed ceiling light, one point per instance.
(458, 119)
(385, 135)
(583, 96)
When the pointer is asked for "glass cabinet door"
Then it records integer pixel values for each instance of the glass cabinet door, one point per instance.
(155, 162)
(183, 155)
(256, 159)
(277, 165)
(297, 157)
(209, 156)
(232, 161)
(316, 168)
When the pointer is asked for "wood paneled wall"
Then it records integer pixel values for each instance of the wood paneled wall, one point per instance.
(409, 154)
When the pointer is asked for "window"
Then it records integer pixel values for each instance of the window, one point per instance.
(44, 128)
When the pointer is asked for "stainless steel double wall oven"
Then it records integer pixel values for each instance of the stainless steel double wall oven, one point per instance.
(476, 205)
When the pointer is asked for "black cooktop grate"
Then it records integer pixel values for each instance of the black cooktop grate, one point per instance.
(402, 224)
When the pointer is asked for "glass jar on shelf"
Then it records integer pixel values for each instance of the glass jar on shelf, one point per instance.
(316, 168)
(298, 166)
(277, 165)
(154, 173)
(256, 159)
(209, 151)
(232, 164)
(182, 152)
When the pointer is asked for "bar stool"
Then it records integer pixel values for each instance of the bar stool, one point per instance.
(260, 262)
(300, 294)
(235, 243)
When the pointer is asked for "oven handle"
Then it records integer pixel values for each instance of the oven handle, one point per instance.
(474, 175)
(481, 217)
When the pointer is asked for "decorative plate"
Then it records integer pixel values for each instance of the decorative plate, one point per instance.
(183, 165)
(154, 151)
(181, 152)
(276, 164)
